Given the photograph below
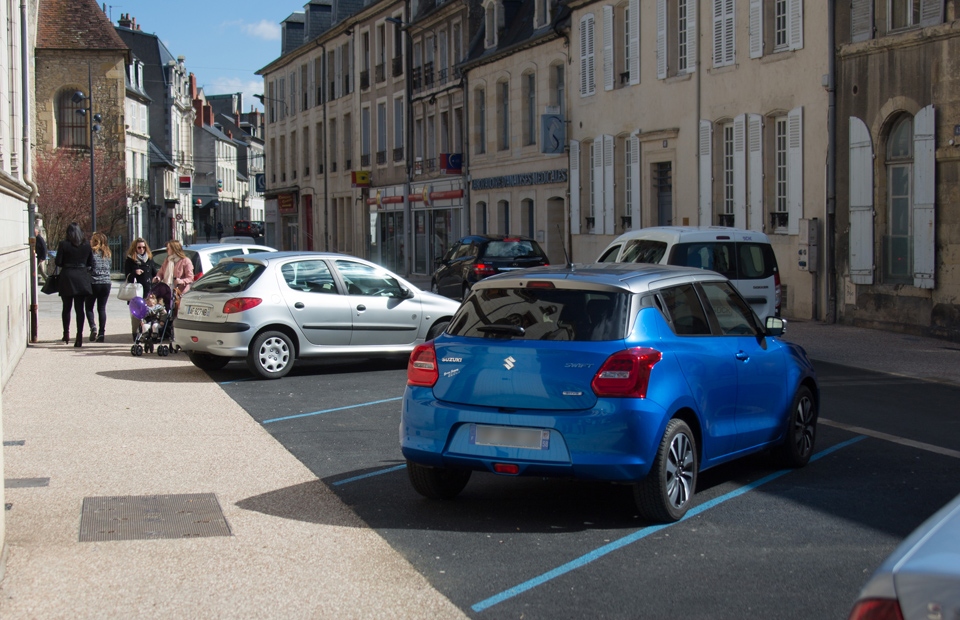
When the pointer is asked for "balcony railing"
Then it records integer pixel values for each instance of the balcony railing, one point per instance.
(333, 166)
(417, 78)
(428, 75)
(725, 219)
(778, 220)
(381, 72)
(364, 80)
(348, 165)
(381, 157)
(398, 154)
(138, 188)
(398, 66)
(320, 169)
(430, 164)
(365, 160)
(442, 75)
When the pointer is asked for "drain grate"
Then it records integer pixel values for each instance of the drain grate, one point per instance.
(147, 517)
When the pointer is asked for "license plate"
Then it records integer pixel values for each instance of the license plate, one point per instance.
(510, 437)
(197, 311)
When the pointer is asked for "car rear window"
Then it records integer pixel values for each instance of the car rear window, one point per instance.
(512, 248)
(542, 314)
(193, 255)
(644, 251)
(757, 261)
(215, 257)
(716, 256)
(228, 278)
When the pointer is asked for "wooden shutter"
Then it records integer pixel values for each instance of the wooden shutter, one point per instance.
(609, 212)
(740, 171)
(661, 39)
(706, 172)
(575, 187)
(861, 203)
(635, 183)
(931, 12)
(608, 78)
(756, 28)
(795, 25)
(755, 172)
(692, 35)
(861, 20)
(723, 33)
(794, 169)
(598, 186)
(924, 198)
(634, 42)
(587, 57)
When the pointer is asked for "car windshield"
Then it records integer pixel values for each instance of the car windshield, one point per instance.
(512, 248)
(644, 251)
(542, 314)
(229, 278)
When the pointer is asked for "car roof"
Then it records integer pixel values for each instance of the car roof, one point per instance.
(629, 277)
(197, 247)
(492, 237)
(692, 233)
(268, 257)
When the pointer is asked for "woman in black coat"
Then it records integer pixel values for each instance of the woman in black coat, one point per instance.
(138, 267)
(75, 260)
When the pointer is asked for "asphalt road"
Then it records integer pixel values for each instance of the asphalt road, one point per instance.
(759, 542)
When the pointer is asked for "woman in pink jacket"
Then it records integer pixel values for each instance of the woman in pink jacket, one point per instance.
(177, 269)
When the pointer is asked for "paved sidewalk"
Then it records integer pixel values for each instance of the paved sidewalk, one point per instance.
(99, 422)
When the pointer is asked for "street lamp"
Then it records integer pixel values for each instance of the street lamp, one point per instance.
(95, 120)
(283, 101)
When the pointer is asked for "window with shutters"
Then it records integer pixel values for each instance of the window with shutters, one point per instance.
(587, 56)
(320, 153)
(623, 56)
(780, 40)
(676, 37)
(903, 14)
(398, 129)
(775, 26)
(726, 215)
(306, 151)
(347, 143)
(381, 133)
(898, 237)
(590, 185)
(724, 40)
(627, 166)
(282, 92)
(304, 90)
(682, 42)
(332, 123)
(779, 215)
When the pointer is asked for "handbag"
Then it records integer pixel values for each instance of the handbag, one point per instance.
(129, 290)
(52, 284)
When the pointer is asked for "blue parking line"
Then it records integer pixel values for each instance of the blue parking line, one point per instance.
(373, 473)
(236, 380)
(305, 415)
(647, 531)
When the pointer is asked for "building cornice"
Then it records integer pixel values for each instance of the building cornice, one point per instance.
(900, 41)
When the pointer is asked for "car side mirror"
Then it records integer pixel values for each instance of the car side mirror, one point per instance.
(405, 293)
(776, 326)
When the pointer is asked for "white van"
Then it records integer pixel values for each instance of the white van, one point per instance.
(744, 256)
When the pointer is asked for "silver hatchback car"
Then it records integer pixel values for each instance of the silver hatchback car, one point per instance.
(274, 307)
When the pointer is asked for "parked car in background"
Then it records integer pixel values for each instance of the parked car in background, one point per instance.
(744, 256)
(257, 226)
(273, 308)
(206, 255)
(476, 257)
(243, 228)
(641, 374)
(921, 578)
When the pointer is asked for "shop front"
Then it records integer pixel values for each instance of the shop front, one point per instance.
(289, 222)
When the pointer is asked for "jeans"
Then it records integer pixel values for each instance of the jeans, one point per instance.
(101, 293)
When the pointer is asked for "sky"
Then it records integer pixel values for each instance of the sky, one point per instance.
(224, 42)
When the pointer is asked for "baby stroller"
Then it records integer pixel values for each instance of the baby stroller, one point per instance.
(159, 333)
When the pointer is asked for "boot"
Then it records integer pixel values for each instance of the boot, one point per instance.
(100, 336)
(93, 333)
(79, 341)
(66, 336)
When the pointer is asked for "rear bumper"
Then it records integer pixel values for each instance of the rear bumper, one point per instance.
(615, 440)
(223, 339)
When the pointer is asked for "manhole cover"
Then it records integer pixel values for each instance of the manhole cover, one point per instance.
(146, 517)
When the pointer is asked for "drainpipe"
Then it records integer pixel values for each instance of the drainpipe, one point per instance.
(696, 127)
(829, 263)
(326, 164)
(27, 164)
(467, 205)
(407, 211)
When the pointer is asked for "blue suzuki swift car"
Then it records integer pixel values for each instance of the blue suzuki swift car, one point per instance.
(645, 374)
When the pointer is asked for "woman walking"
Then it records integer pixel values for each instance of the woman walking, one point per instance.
(75, 259)
(138, 267)
(176, 271)
(100, 277)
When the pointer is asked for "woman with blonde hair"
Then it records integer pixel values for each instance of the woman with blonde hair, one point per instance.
(176, 271)
(100, 283)
(138, 267)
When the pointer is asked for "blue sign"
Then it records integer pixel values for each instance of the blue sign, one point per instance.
(260, 183)
(552, 134)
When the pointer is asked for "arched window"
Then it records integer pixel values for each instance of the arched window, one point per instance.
(71, 126)
(898, 240)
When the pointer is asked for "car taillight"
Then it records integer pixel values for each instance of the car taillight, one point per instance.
(776, 290)
(197, 276)
(876, 609)
(422, 367)
(483, 270)
(626, 374)
(239, 304)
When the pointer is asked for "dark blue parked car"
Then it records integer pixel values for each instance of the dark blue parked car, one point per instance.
(623, 372)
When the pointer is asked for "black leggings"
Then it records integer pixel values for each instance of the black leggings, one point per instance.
(101, 293)
(76, 301)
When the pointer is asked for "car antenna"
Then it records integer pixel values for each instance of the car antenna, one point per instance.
(563, 245)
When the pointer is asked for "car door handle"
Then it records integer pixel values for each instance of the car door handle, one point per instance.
(299, 305)
(742, 356)
(361, 308)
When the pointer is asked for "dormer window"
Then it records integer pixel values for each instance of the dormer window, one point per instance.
(542, 13)
(493, 16)
(140, 75)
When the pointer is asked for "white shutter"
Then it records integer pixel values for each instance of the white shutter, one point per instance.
(597, 211)
(609, 213)
(861, 20)
(661, 39)
(587, 59)
(634, 42)
(574, 187)
(706, 172)
(608, 79)
(635, 183)
(795, 14)
(861, 203)
(591, 57)
(924, 198)
(931, 12)
(740, 171)
(692, 35)
(723, 33)
(755, 172)
(794, 169)
(718, 32)
(756, 28)
(583, 56)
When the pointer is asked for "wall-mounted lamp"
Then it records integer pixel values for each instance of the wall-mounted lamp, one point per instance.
(262, 97)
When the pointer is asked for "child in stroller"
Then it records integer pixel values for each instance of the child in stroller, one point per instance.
(156, 324)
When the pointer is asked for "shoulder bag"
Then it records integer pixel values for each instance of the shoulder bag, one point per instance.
(129, 290)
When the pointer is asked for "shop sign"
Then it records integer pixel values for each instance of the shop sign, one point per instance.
(286, 204)
(515, 180)
(360, 178)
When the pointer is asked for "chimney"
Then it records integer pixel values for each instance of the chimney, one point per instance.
(193, 86)
(124, 21)
(230, 134)
(236, 118)
(207, 114)
(197, 113)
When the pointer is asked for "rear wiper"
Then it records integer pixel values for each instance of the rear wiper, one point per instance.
(513, 330)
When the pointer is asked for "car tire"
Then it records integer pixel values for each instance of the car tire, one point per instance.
(438, 328)
(664, 495)
(801, 435)
(437, 482)
(271, 355)
(206, 361)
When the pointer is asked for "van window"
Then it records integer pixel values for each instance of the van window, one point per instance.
(644, 251)
(610, 256)
(712, 255)
(756, 261)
